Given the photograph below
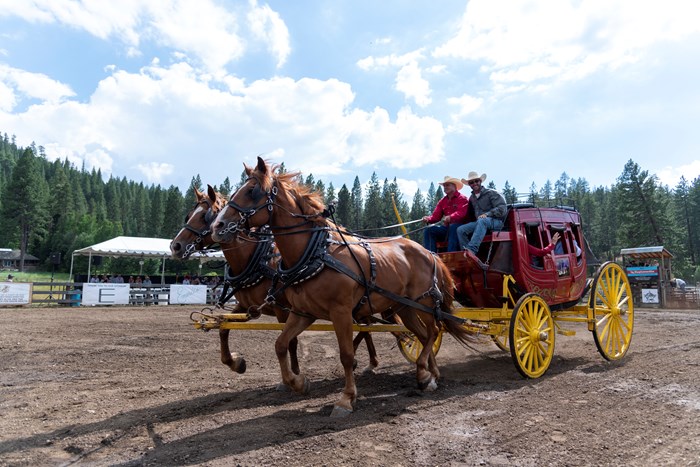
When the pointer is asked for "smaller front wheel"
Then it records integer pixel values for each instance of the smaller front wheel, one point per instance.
(411, 347)
(531, 336)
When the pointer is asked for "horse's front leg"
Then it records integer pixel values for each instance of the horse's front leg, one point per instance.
(282, 315)
(233, 361)
(371, 350)
(343, 332)
(294, 326)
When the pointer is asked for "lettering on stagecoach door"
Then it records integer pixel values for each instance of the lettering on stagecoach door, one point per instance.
(105, 294)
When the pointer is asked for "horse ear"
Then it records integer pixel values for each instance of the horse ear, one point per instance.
(211, 192)
(248, 170)
(262, 167)
(198, 194)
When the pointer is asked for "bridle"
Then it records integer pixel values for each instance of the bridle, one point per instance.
(241, 225)
(209, 216)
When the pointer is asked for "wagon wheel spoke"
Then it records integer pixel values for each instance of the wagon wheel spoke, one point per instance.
(531, 336)
(613, 310)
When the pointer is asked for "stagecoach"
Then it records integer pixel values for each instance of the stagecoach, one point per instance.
(520, 300)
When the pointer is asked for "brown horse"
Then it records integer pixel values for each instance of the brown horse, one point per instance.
(336, 276)
(251, 282)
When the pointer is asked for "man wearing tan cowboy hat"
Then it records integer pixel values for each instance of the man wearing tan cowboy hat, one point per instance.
(490, 211)
(452, 210)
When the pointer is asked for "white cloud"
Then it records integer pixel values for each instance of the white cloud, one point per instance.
(155, 172)
(29, 85)
(268, 27)
(670, 175)
(206, 31)
(409, 79)
(186, 122)
(410, 82)
(554, 39)
(408, 188)
(410, 142)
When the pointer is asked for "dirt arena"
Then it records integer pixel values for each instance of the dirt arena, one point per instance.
(140, 386)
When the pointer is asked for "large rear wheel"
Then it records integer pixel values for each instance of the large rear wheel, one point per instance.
(531, 336)
(613, 311)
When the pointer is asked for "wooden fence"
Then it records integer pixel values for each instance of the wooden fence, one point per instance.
(70, 294)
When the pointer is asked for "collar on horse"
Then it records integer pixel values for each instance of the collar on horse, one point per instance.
(257, 269)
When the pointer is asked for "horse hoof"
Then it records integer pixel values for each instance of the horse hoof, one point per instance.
(340, 412)
(307, 386)
(428, 386)
(281, 387)
(369, 370)
(239, 365)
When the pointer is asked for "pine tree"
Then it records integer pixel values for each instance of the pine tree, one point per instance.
(174, 204)
(225, 188)
(641, 210)
(510, 193)
(373, 206)
(344, 208)
(355, 221)
(25, 205)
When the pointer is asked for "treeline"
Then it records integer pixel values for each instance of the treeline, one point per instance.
(53, 206)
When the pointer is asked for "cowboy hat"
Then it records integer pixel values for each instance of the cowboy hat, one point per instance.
(455, 181)
(473, 176)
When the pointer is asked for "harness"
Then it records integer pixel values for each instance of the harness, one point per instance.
(316, 257)
(257, 269)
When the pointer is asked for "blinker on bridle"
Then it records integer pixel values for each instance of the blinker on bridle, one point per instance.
(200, 234)
(247, 213)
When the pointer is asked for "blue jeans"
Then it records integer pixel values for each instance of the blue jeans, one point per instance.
(437, 233)
(470, 235)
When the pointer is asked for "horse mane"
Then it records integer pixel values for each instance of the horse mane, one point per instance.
(309, 201)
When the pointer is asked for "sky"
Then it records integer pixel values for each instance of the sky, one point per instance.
(160, 91)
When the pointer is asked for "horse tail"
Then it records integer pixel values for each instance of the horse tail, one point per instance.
(446, 285)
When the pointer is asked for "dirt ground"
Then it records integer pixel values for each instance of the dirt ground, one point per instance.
(141, 386)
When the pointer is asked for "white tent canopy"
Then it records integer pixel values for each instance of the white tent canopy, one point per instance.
(141, 247)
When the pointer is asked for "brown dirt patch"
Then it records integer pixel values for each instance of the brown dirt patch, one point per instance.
(139, 386)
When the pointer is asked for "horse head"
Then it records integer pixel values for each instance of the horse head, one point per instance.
(196, 232)
(250, 206)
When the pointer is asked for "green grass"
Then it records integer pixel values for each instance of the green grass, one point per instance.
(35, 276)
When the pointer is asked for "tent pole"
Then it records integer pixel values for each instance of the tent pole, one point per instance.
(70, 276)
(89, 264)
(162, 273)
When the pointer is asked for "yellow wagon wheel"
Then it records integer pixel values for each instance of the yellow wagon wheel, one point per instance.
(501, 340)
(613, 311)
(409, 344)
(531, 336)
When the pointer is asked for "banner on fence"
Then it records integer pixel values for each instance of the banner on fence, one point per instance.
(188, 294)
(650, 296)
(105, 294)
(15, 293)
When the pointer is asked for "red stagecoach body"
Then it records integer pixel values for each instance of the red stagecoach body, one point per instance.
(558, 277)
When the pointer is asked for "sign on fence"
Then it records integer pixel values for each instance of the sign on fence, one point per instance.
(105, 294)
(15, 293)
(650, 296)
(188, 294)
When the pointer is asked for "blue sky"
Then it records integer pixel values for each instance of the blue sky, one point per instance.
(159, 91)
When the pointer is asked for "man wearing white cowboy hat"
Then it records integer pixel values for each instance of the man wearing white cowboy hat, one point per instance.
(452, 210)
(490, 212)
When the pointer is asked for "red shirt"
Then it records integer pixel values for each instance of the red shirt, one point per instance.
(455, 207)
